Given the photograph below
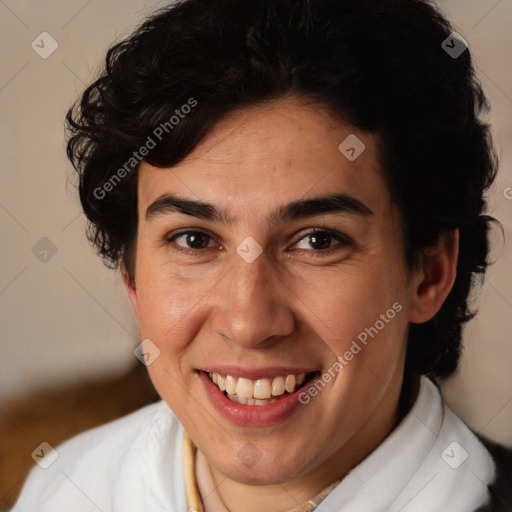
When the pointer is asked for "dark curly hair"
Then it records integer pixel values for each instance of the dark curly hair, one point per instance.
(377, 64)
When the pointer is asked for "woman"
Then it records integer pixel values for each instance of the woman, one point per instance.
(294, 194)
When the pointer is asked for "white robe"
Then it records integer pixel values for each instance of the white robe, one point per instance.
(136, 464)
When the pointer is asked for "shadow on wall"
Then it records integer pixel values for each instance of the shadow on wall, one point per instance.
(54, 415)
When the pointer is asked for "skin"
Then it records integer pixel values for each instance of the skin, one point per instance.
(295, 305)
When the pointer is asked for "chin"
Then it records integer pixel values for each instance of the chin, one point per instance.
(269, 469)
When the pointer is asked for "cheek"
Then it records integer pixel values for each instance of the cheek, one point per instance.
(171, 311)
(164, 297)
(359, 313)
(167, 311)
(161, 309)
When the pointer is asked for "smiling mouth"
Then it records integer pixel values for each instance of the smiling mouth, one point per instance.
(261, 391)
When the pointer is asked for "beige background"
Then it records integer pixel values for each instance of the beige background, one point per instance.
(69, 318)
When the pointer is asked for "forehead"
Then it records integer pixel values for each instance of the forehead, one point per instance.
(271, 154)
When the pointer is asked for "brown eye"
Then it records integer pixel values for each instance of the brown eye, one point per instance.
(322, 240)
(192, 240)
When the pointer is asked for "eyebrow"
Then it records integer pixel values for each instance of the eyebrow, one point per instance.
(304, 208)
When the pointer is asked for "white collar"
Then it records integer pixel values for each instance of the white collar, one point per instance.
(416, 468)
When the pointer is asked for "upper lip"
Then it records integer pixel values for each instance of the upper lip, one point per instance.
(257, 373)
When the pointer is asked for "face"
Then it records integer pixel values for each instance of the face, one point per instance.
(269, 253)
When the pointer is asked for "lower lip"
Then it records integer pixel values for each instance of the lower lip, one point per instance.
(251, 415)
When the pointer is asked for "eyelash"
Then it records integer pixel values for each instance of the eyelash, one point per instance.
(340, 237)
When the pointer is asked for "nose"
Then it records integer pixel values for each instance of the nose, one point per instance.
(251, 307)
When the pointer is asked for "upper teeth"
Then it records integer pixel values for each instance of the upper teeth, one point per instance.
(258, 389)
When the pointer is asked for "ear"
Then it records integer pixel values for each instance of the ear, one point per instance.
(131, 290)
(434, 280)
